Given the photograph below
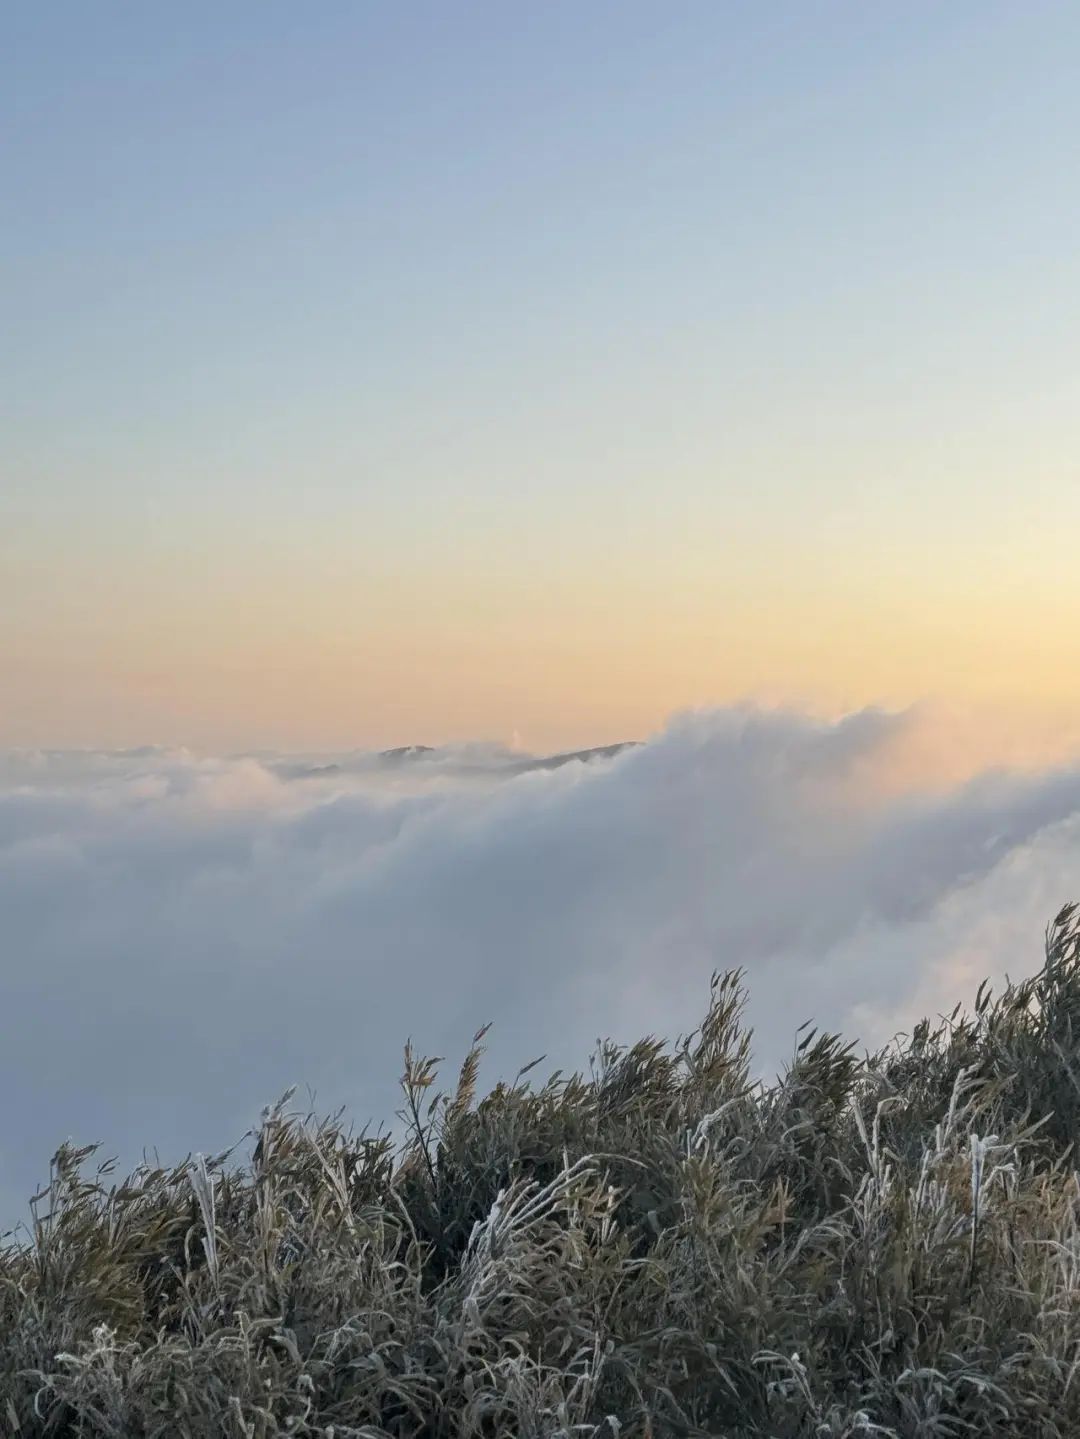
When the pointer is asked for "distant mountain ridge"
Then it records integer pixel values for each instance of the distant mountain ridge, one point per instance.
(504, 763)
(556, 761)
(403, 754)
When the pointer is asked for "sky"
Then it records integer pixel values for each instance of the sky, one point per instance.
(512, 379)
(377, 374)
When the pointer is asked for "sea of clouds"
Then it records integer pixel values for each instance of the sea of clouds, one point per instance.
(185, 936)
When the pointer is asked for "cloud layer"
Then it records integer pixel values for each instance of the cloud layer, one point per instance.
(184, 936)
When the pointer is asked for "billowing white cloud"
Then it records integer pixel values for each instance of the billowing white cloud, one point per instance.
(184, 937)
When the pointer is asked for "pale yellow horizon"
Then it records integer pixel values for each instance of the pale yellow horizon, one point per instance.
(318, 662)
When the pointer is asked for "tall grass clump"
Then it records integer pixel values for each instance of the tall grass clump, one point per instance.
(660, 1246)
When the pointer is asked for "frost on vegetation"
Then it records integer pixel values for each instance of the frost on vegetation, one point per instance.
(880, 1245)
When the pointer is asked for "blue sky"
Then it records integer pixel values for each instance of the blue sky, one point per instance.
(559, 310)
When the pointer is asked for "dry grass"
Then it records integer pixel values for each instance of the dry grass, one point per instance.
(878, 1246)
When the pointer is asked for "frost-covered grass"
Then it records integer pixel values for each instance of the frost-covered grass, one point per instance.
(882, 1245)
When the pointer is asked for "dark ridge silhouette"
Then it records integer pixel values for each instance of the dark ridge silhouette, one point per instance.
(585, 756)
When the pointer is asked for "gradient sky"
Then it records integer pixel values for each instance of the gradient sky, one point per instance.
(377, 373)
